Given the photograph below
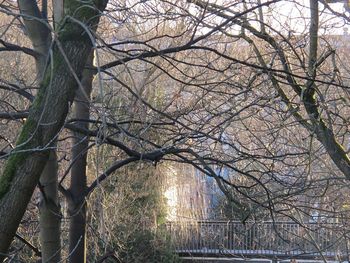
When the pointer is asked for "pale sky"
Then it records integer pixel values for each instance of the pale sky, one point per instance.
(292, 15)
(288, 15)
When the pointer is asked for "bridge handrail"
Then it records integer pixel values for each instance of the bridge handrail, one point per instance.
(276, 237)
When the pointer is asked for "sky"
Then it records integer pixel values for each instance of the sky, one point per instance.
(292, 16)
(288, 15)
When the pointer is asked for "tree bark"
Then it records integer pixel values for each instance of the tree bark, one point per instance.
(46, 117)
(50, 217)
(78, 184)
(37, 29)
(58, 12)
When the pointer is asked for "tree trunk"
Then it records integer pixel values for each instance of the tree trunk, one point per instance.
(50, 217)
(38, 31)
(76, 206)
(49, 211)
(46, 118)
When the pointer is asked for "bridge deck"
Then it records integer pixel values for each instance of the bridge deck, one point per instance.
(268, 254)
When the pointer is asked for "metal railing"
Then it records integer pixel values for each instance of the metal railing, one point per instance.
(283, 239)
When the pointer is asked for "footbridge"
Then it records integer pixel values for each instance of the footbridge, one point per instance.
(272, 241)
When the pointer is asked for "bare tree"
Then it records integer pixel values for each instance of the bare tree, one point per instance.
(260, 111)
(24, 166)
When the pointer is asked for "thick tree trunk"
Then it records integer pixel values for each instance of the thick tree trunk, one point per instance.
(58, 12)
(41, 128)
(38, 31)
(45, 120)
(76, 206)
(50, 217)
(49, 209)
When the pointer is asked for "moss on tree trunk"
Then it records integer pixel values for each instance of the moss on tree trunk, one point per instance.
(45, 120)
